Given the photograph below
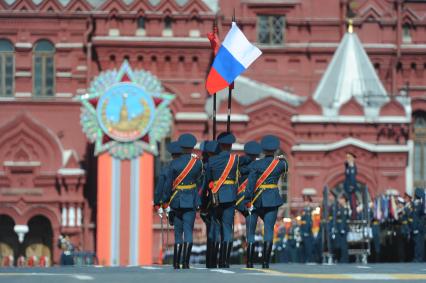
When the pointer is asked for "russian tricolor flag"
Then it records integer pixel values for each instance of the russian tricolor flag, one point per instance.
(235, 55)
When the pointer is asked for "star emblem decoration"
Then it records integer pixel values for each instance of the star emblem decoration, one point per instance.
(91, 124)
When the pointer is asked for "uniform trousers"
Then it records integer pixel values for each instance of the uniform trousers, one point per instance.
(269, 217)
(184, 224)
(224, 214)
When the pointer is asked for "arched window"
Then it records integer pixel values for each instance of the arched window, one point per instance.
(44, 68)
(419, 149)
(141, 23)
(168, 30)
(406, 33)
(7, 68)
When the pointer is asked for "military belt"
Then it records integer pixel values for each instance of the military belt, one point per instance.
(181, 188)
(375, 222)
(227, 182)
(186, 187)
(268, 186)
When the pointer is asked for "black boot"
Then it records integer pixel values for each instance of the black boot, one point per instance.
(215, 250)
(176, 255)
(250, 252)
(187, 248)
(209, 248)
(267, 249)
(222, 254)
(228, 254)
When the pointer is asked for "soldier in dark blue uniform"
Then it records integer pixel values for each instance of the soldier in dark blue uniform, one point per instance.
(225, 197)
(211, 148)
(375, 230)
(418, 224)
(342, 217)
(252, 150)
(180, 191)
(306, 229)
(265, 199)
(294, 242)
(175, 150)
(350, 185)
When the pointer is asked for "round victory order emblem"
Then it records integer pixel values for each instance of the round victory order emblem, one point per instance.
(126, 112)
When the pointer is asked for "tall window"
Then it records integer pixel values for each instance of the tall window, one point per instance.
(168, 31)
(6, 68)
(44, 68)
(406, 33)
(419, 149)
(140, 31)
(141, 23)
(270, 29)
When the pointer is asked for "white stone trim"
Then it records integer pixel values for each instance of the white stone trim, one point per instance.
(71, 172)
(191, 116)
(167, 33)
(195, 95)
(409, 178)
(60, 45)
(351, 141)
(413, 46)
(234, 118)
(81, 91)
(27, 45)
(349, 119)
(22, 163)
(63, 94)
(23, 94)
(63, 74)
(23, 74)
(194, 33)
(151, 39)
(81, 68)
(114, 32)
(140, 32)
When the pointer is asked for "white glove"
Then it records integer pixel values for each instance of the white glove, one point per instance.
(160, 212)
(167, 210)
(250, 209)
(193, 155)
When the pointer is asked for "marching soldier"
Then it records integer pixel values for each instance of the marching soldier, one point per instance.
(263, 194)
(252, 150)
(221, 182)
(306, 229)
(180, 192)
(211, 148)
(175, 150)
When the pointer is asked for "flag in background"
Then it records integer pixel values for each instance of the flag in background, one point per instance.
(235, 55)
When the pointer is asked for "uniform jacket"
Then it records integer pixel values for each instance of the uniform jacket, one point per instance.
(214, 169)
(244, 169)
(269, 197)
(184, 198)
(306, 227)
(350, 178)
(158, 192)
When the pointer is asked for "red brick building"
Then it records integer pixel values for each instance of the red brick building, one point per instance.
(50, 51)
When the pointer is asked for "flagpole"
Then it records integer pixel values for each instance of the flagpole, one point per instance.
(231, 86)
(214, 116)
(215, 31)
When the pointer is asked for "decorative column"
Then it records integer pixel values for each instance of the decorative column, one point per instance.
(126, 116)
